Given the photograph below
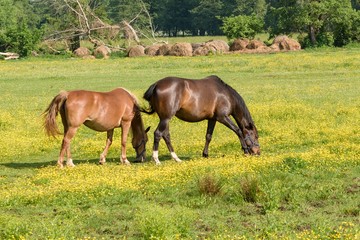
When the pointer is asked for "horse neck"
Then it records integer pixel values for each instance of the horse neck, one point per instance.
(242, 113)
(137, 126)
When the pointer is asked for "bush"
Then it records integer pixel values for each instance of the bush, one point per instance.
(242, 26)
(249, 188)
(21, 40)
(210, 185)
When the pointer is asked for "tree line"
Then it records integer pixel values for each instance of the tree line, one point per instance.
(24, 23)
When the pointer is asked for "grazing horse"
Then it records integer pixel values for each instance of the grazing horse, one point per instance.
(196, 100)
(100, 111)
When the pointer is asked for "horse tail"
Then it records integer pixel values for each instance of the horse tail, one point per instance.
(52, 111)
(148, 96)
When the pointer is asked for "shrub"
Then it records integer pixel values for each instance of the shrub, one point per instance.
(242, 26)
(210, 185)
(249, 188)
(21, 40)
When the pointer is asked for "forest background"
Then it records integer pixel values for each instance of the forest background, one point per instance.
(26, 23)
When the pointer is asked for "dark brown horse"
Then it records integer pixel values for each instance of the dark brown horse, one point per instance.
(100, 111)
(196, 100)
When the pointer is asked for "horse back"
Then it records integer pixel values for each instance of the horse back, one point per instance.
(190, 100)
(99, 111)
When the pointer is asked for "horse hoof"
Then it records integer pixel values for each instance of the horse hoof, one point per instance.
(126, 162)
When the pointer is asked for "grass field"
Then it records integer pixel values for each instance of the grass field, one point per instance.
(305, 185)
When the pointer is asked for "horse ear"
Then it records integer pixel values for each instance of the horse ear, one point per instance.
(147, 129)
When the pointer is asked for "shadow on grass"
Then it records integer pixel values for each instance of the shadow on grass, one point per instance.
(38, 164)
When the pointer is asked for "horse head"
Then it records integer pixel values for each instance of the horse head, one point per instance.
(139, 144)
(251, 140)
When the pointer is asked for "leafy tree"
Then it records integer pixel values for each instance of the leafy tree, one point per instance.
(206, 17)
(175, 16)
(326, 22)
(355, 4)
(242, 26)
(18, 27)
(344, 24)
(249, 7)
(21, 39)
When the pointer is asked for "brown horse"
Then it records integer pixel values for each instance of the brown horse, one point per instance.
(100, 111)
(196, 100)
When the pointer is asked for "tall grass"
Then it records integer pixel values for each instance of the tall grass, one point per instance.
(304, 185)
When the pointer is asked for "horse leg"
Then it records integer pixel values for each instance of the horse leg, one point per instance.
(209, 132)
(109, 140)
(158, 134)
(65, 147)
(230, 124)
(124, 133)
(166, 137)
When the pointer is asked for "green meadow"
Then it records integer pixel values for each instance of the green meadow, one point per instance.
(305, 184)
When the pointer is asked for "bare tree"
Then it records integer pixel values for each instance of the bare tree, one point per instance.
(89, 25)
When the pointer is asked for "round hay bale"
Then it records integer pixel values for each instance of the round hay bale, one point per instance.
(285, 43)
(136, 51)
(239, 44)
(262, 49)
(196, 46)
(255, 44)
(102, 51)
(218, 46)
(82, 52)
(152, 50)
(164, 49)
(181, 49)
(201, 51)
(89, 57)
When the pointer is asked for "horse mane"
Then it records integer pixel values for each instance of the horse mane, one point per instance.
(137, 125)
(239, 100)
(136, 101)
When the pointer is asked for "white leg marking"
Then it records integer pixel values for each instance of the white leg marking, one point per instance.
(70, 163)
(102, 159)
(175, 157)
(155, 156)
(126, 162)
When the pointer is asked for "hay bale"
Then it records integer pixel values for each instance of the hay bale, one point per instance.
(239, 44)
(152, 50)
(284, 43)
(82, 52)
(217, 46)
(136, 51)
(196, 46)
(201, 51)
(255, 44)
(262, 49)
(89, 57)
(102, 51)
(164, 49)
(181, 49)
